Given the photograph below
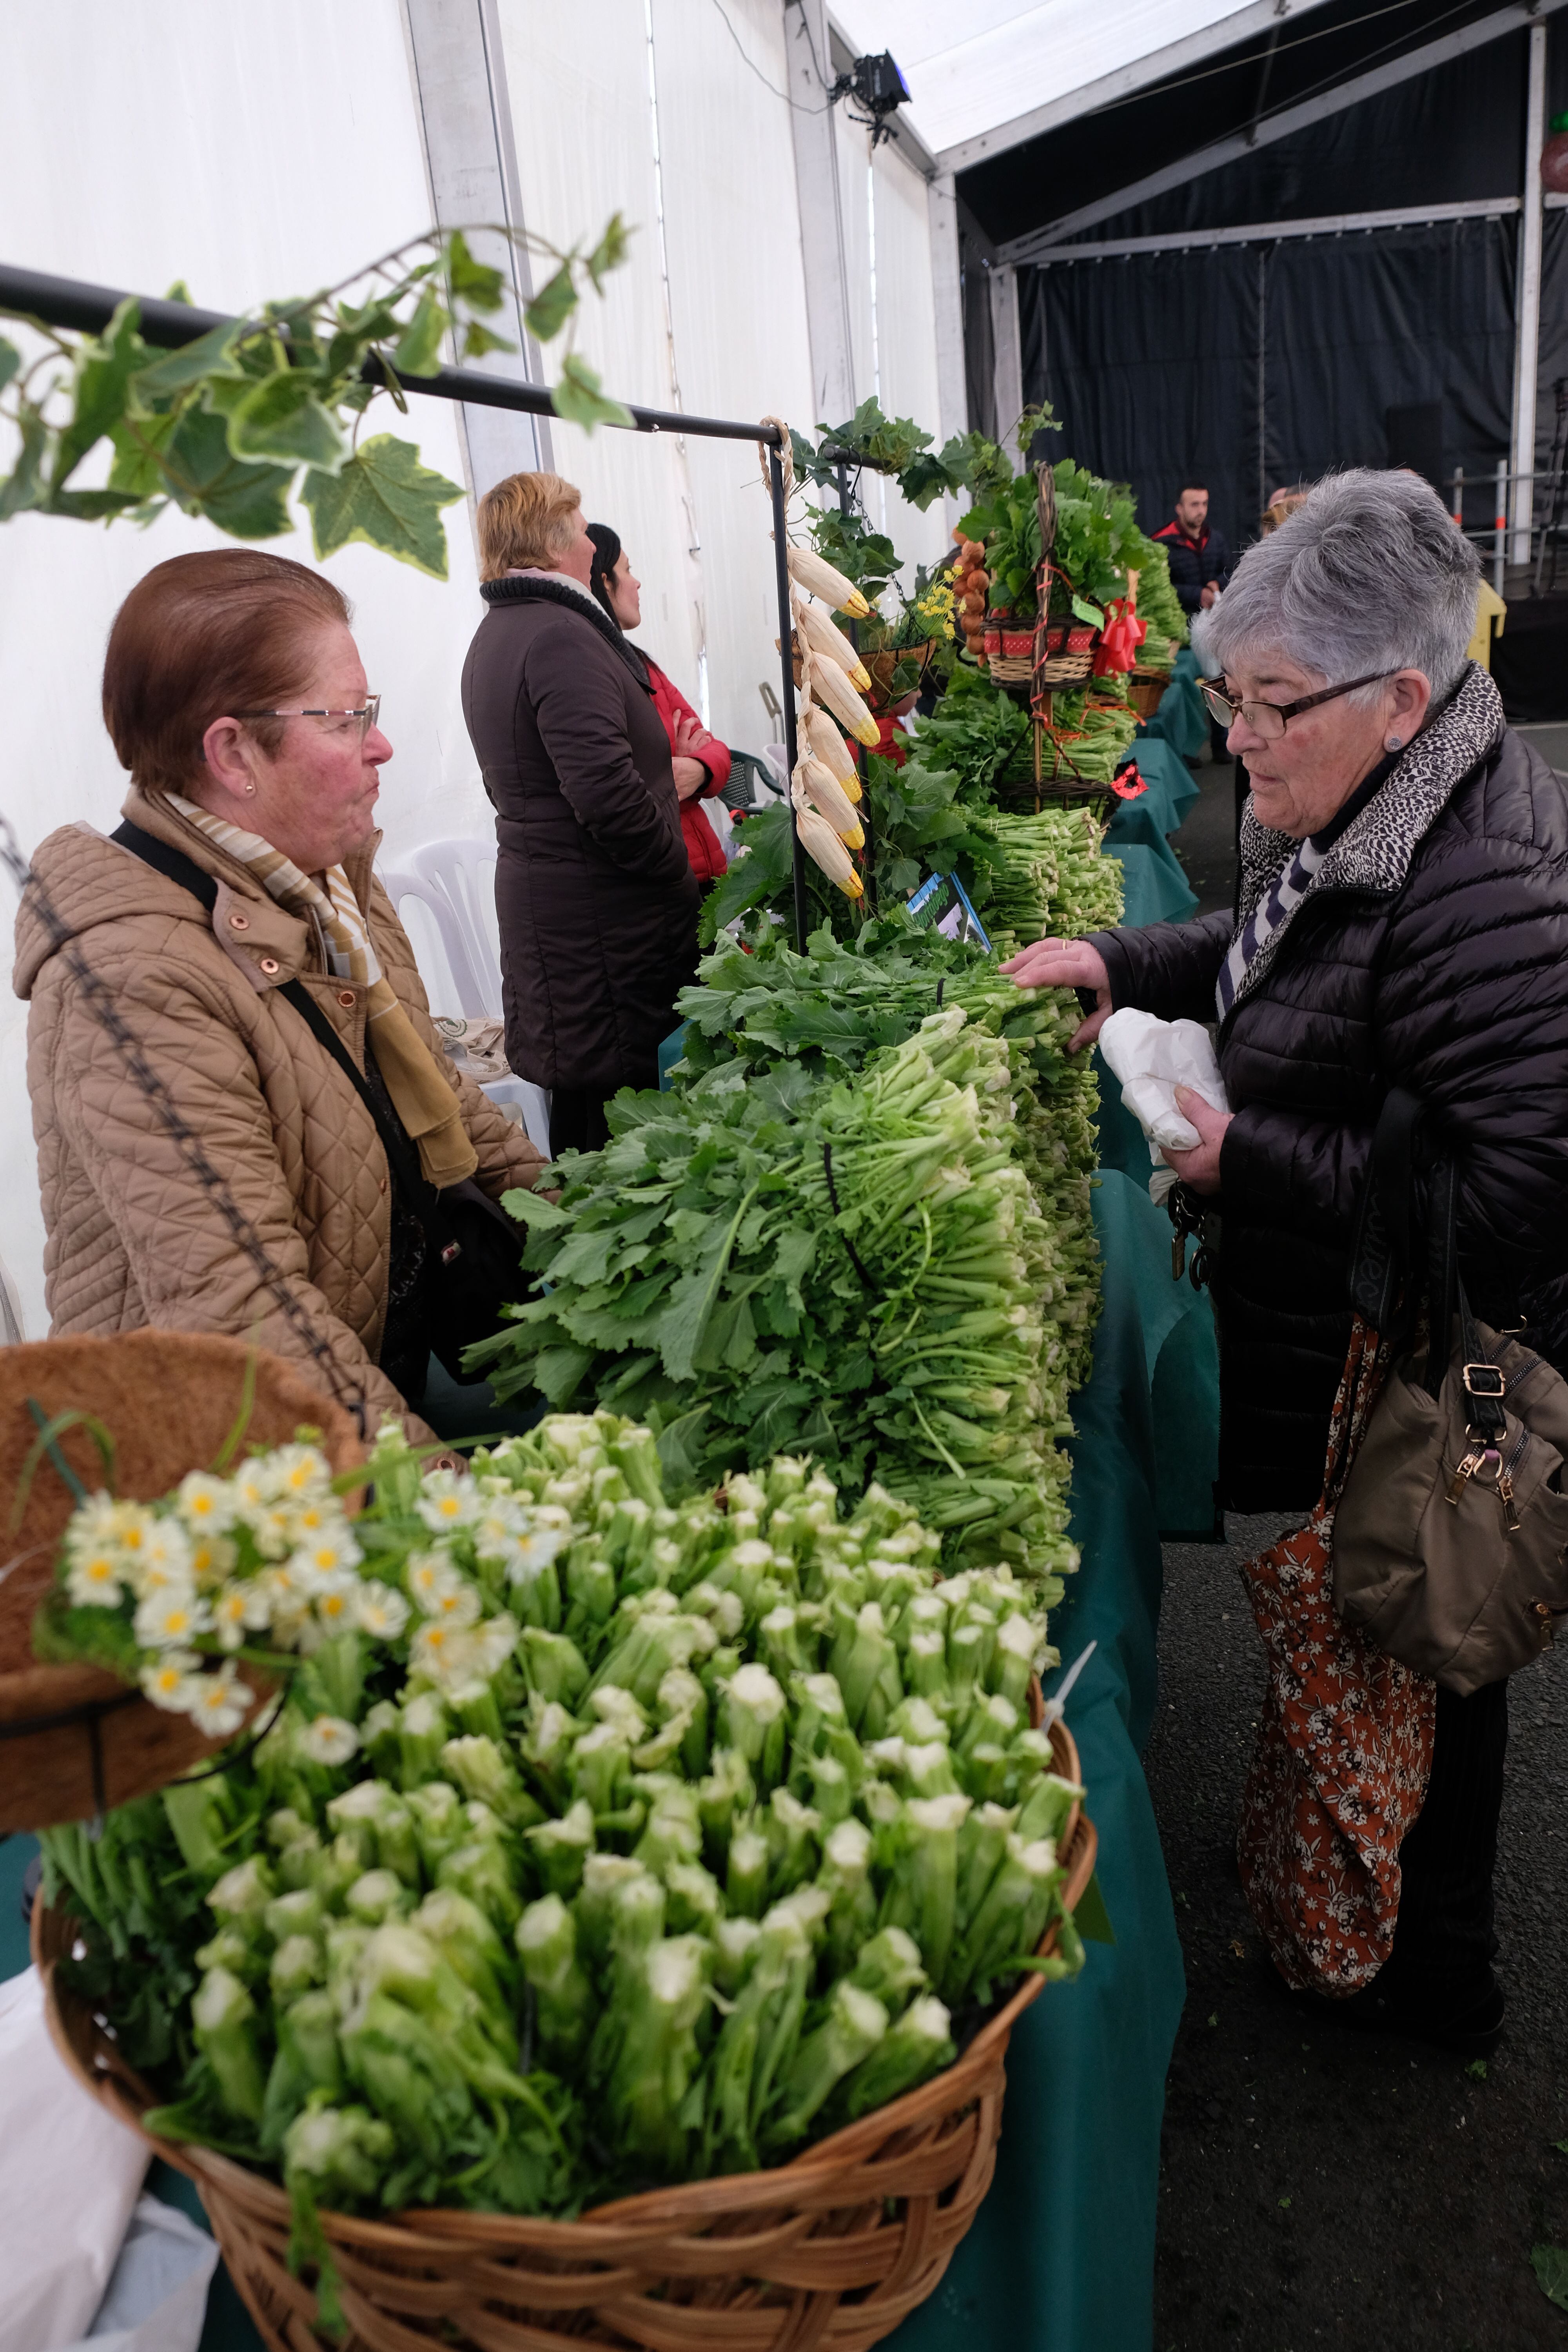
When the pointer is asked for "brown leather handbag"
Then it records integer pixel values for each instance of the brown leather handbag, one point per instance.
(1450, 1543)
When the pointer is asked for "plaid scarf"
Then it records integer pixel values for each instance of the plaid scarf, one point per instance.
(421, 1096)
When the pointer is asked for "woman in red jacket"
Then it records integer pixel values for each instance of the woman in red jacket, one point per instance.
(701, 763)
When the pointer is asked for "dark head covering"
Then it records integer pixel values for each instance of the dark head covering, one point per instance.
(608, 554)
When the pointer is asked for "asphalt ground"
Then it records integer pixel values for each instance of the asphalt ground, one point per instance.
(1319, 2185)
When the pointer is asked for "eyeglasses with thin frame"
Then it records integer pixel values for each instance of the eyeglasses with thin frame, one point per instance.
(366, 717)
(1269, 719)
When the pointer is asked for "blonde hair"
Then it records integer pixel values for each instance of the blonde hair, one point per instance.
(1280, 508)
(526, 519)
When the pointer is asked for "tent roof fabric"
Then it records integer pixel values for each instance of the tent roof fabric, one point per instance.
(974, 73)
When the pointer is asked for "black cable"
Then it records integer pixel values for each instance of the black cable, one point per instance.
(762, 77)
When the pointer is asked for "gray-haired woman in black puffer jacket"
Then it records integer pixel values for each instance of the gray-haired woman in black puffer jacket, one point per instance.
(1402, 920)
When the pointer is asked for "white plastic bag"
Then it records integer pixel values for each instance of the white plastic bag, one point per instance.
(1152, 1058)
(157, 2297)
(69, 2176)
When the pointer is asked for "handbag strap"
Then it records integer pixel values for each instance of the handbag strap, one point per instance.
(401, 1157)
(1385, 1250)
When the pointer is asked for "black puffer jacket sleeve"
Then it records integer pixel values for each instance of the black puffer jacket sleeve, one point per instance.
(575, 685)
(1168, 969)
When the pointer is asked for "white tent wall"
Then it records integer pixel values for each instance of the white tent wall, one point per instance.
(733, 338)
(253, 154)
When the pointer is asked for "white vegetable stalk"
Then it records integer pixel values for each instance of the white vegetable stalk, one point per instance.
(826, 795)
(820, 578)
(813, 624)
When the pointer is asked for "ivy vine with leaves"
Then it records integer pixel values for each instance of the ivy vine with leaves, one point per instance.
(263, 411)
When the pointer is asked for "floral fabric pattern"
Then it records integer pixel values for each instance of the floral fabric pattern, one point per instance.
(1344, 1742)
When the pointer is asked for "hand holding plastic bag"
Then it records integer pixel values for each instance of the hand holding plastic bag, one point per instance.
(1152, 1058)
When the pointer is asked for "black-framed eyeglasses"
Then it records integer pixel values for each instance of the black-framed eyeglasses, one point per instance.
(1269, 719)
(365, 717)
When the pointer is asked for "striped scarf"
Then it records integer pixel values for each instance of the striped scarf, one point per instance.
(1277, 904)
(1291, 886)
(421, 1096)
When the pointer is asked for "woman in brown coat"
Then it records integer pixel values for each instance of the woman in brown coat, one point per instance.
(595, 897)
(235, 695)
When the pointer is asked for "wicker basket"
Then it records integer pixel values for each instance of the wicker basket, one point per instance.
(1146, 690)
(832, 2250)
(1064, 669)
(1012, 669)
(74, 1739)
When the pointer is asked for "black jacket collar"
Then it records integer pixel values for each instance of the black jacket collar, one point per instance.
(519, 589)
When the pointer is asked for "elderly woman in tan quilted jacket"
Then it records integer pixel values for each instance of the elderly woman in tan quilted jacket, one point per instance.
(235, 695)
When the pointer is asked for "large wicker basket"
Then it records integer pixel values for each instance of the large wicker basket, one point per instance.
(73, 1739)
(831, 2250)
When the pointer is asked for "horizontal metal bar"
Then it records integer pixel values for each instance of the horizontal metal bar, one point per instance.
(1266, 232)
(68, 303)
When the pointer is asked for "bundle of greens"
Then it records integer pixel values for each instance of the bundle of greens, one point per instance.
(1047, 877)
(1159, 605)
(1091, 730)
(657, 1842)
(859, 1271)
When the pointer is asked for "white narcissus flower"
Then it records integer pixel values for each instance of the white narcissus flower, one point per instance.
(164, 1559)
(457, 1604)
(212, 1558)
(380, 1610)
(332, 1553)
(94, 1525)
(447, 1502)
(429, 1574)
(219, 1703)
(230, 1609)
(296, 1471)
(328, 1739)
(93, 1579)
(168, 1621)
(171, 1683)
(549, 1532)
(204, 1503)
(250, 1492)
(335, 1610)
(443, 1653)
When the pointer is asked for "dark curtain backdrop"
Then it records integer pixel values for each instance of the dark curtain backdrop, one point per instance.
(1246, 366)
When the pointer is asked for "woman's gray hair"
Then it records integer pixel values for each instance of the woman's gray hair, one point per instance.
(1369, 575)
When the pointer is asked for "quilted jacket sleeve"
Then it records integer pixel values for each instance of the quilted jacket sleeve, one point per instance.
(579, 709)
(1471, 1015)
(1168, 969)
(190, 1270)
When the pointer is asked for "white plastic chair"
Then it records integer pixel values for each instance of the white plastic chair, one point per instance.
(455, 882)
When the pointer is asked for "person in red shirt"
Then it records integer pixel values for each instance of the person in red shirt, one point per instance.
(701, 763)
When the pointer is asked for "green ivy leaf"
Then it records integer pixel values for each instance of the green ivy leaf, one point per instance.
(384, 496)
(204, 474)
(610, 251)
(1550, 2264)
(418, 348)
(10, 361)
(472, 282)
(477, 339)
(552, 306)
(578, 398)
(23, 487)
(280, 417)
(211, 355)
(103, 372)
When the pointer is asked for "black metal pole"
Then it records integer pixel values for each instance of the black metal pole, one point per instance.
(87, 309)
(787, 662)
(845, 506)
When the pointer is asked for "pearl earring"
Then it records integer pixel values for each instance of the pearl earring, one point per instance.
(1395, 743)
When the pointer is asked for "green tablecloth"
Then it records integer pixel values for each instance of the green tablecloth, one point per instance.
(1181, 720)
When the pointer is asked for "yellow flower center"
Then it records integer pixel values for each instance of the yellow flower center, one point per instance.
(99, 1571)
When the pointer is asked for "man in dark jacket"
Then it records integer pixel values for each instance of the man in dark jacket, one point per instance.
(1195, 551)
(595, 895)
(1403, 922)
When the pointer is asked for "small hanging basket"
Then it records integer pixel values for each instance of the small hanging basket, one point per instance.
(73, 1739)
(831, 2250)
(1146, 690)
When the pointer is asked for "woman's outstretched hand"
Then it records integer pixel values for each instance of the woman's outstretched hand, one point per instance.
(1199, 1169)
(1067, 964)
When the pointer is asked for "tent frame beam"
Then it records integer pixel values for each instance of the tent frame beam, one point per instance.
(1201, 240)
(1520, 15)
